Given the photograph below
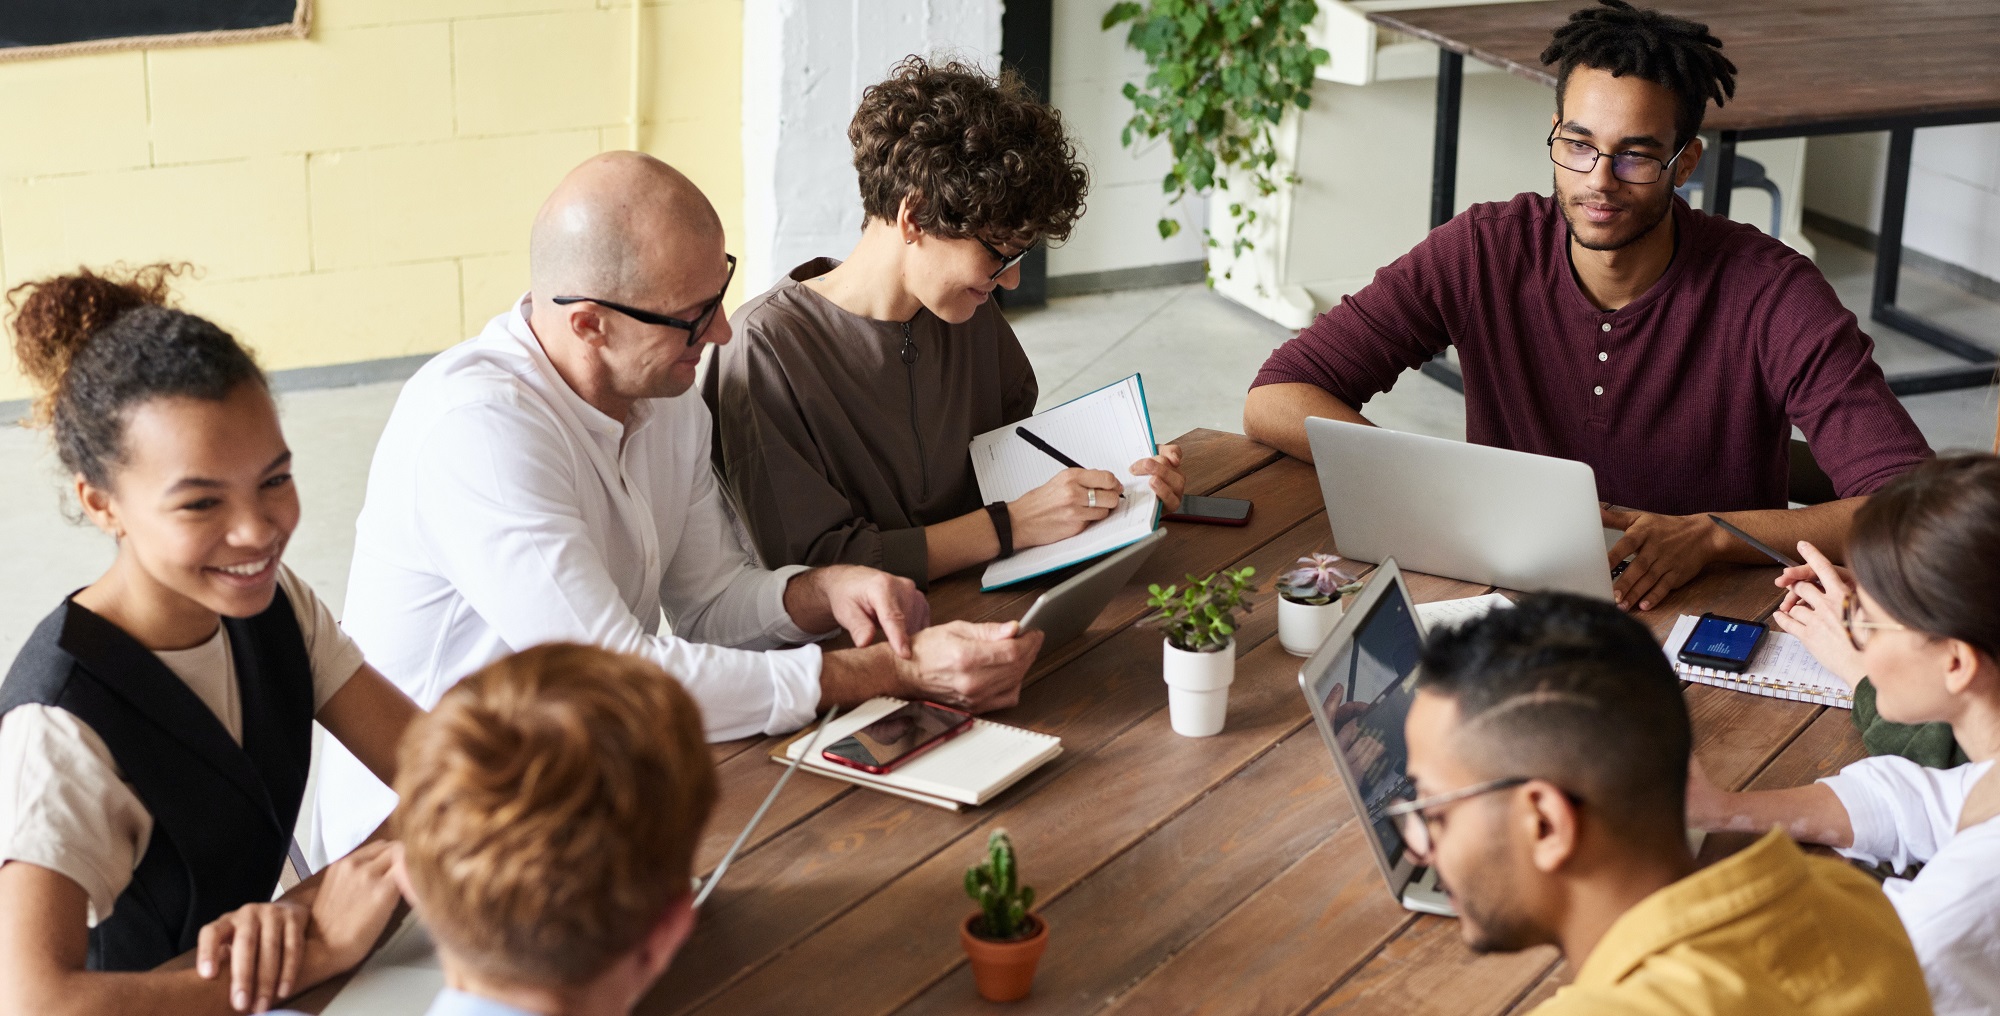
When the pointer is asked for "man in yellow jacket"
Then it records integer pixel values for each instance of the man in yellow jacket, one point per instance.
(1549, 749)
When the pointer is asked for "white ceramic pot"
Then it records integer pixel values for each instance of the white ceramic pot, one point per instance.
(1198, 688)
(1303, 626)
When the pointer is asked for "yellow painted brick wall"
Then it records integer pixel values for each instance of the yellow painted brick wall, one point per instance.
(366, 192)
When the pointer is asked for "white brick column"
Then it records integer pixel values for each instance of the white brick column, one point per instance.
(805, 63)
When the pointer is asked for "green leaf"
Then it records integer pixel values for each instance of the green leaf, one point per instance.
(1169, 227)
(1121, 12)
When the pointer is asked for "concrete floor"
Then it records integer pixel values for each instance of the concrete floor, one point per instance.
(1196, 350)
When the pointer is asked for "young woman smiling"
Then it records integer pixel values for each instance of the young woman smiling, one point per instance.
(1920, 615)
(156, 729)
(845, 405)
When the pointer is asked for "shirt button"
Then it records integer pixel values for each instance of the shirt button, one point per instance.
(1601, 357)
(1599, 390)
(1606, 326)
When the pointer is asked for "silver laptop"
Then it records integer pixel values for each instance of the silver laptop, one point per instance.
(1359, 686)
(1467, 511)
(1066, 611)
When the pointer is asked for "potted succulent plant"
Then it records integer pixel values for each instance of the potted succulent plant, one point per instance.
(1311, 598)
(1004, 939)
(1200, 647)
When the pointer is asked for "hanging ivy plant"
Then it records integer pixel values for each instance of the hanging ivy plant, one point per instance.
(1223, 74)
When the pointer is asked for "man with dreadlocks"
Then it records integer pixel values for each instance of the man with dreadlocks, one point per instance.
(1670, 350)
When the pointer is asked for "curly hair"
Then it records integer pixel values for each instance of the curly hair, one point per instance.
(551, 807)
(976, 156)
(98, 344)
(1674, 53)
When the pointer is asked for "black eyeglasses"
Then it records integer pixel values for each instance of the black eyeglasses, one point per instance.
(1005, 261)
(695, 328)
(1631, 167)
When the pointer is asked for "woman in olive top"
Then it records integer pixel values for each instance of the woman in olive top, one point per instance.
(156, 729)
(844, 407)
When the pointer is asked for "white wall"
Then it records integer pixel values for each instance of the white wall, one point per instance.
(1954, 205)
(1088, 74)
(805, 64)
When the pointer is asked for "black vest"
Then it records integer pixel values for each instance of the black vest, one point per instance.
(222, 814)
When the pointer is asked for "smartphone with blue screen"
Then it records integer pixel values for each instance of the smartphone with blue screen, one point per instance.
(1722, 643)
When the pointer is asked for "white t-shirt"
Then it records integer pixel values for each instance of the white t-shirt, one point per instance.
(64, 803)
(1903, 812)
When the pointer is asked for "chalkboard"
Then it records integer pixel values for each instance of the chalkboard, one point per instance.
(50, 27)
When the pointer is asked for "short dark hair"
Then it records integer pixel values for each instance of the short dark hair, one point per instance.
(1927, 546)
(99, 344)
(1574, 691)
(1674, 53)
(976, 155)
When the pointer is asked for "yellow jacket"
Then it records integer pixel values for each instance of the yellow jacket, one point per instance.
(1767, 931)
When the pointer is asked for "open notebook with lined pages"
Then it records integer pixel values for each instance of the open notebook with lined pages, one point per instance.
(1781, 669)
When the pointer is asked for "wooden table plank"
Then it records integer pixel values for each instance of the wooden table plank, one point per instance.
(1149, 902)
(1431, 971)
(1827, 744)
(1283, 499)
(1799, 62)
(1306, 929)
(1097, 697)
(1427, 969)
(1088, 811)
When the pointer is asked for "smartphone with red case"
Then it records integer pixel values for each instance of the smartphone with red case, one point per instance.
(1215, 511)
(910, 730)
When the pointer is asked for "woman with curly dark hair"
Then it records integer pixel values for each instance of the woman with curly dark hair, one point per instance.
(845, 406)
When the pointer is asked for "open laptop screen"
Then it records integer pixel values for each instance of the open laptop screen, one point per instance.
(1379, 666)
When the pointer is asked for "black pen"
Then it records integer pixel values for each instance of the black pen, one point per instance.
(1755, 543)
(1029, 437)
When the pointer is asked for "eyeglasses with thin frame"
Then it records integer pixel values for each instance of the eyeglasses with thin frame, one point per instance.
(1006, 262)
(695, 328)
(1631, 167)
(1413, 818)
(1850, 618)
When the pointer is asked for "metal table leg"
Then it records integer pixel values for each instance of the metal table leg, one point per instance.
(1718, 168)
(1888, 268)
(1444, 149)
(1444, 177)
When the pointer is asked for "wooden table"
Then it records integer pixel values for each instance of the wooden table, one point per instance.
(1217, 875)
(1804, 67)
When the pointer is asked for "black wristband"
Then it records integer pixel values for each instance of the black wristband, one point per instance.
(1003, 527)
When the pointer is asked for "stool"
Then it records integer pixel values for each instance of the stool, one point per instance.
(1749, 173)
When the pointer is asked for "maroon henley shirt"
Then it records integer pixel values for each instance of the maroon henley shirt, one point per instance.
(1682, 401)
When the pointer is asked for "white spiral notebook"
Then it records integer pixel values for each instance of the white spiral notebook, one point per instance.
(1782, 669)
(970, 769)
(1108, 429)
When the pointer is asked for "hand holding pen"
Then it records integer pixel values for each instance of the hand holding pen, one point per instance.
(1062, 507)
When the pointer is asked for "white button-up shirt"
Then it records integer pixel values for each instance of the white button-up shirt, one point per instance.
(503, 512)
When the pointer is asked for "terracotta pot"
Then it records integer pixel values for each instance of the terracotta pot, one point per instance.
(1004, 971)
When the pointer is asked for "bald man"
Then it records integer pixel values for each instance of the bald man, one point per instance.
(544, 482)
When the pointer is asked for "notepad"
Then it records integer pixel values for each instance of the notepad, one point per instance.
(1781, 669)
(968, 770)
(1108, 429)
(1452, 613)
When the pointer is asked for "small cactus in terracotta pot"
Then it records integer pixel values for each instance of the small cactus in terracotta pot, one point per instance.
(1004, 939)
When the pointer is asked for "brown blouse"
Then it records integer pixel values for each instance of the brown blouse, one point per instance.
(841, 436)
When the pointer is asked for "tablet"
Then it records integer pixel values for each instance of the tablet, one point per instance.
(1066, 611)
